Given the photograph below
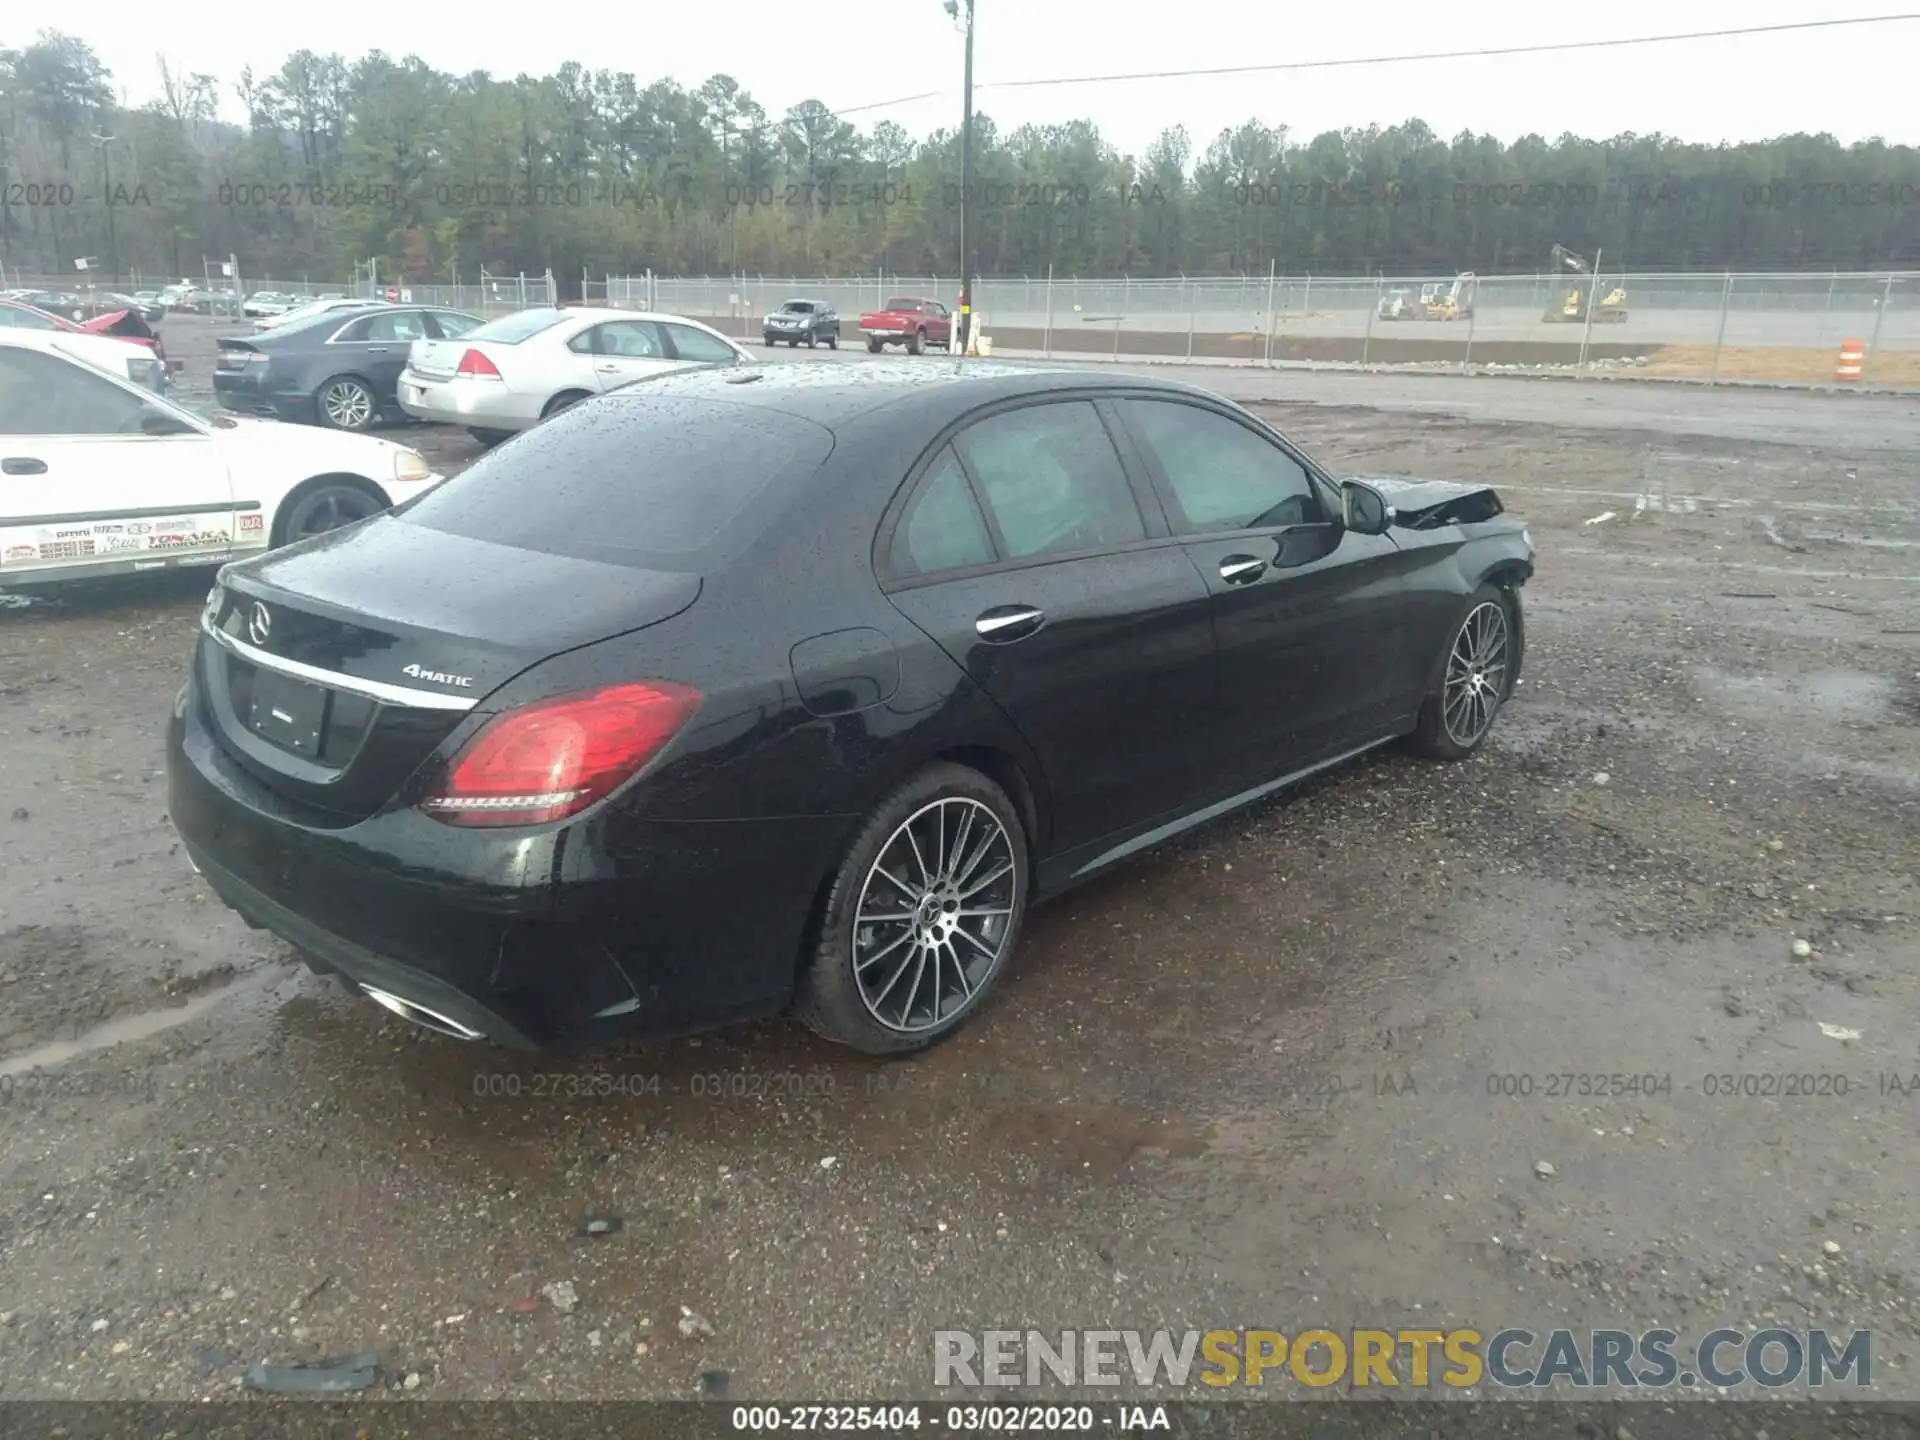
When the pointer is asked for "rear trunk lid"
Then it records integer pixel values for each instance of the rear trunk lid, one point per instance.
(124, 325)
(334, 669)
(234, 355)
(437, 359)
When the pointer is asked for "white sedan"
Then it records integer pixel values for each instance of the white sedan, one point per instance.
(309, 310)
(511, 373)
(100, 476)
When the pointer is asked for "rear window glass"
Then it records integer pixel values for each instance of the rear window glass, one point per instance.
(649, 481)
(522, 324)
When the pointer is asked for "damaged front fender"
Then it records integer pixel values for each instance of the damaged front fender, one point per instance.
(1430, 504)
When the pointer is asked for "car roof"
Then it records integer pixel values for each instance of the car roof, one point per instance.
(598, 313)
(919, 393)
(317, 323)
(101, 351)
(14, 303)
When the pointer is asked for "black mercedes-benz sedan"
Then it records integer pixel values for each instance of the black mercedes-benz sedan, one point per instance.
(735, 693)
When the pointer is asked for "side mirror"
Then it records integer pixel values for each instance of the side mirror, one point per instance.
(158, 422)
(1363, 509)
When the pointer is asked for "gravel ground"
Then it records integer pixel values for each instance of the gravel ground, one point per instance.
(1251, 1080)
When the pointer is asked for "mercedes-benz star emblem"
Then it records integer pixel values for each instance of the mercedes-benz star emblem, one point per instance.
(259, 624)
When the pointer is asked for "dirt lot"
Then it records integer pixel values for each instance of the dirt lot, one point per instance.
(1174, 1114)
(1798, 365)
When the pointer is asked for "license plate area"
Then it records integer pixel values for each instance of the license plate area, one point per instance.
(290, 713)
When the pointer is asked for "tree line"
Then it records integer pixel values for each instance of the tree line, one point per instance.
(435, 175)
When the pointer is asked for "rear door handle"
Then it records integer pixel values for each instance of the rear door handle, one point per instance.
(378, 349)
(22, 465)
(1004, 624)
(1242, 569)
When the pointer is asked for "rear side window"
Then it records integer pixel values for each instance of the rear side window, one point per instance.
(1051, 478)
(628, 339)
(943, 528)
(521, 325)
(646, 480)
(452, 323)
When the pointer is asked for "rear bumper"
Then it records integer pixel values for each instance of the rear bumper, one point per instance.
(242, 392)
(364, 969)
(477, 405)
(537, 938)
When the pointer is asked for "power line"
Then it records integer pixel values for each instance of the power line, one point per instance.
(1387, 59)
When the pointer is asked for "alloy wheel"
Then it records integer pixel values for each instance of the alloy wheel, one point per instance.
(934, 915)
(347, 405)
(1476, 674)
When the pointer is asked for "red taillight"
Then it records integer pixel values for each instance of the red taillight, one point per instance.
(552, 759)
(476, 366)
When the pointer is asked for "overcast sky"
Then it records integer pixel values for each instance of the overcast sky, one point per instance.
(1856, 82)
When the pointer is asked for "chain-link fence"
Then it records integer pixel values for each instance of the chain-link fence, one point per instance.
(1783, 328)
(488, 294)
(1798, 329)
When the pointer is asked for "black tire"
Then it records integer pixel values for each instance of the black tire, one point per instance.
(918, 343)
(346, 402)
(330, 505)
(565, 400)
(813, 341)
(767, 340)
(490, 438)
(831, 999)
(873, 347)
(833, 341)
(1454, 725)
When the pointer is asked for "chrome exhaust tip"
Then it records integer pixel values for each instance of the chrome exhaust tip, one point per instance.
(420, 1015)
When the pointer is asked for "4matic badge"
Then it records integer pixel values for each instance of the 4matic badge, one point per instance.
(438, 677)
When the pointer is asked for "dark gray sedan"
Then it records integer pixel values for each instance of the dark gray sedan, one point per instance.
(337, 369)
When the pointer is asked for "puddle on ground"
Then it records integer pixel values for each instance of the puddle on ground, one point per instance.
(125, 1029)
(1848, 695)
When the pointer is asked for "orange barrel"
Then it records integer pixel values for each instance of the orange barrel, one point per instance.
(1853, 356)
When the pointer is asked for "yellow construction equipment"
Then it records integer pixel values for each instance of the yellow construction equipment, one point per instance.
(1448, 302)
(1572, 309)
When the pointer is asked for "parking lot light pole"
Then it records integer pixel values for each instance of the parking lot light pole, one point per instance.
(106, 197)
(965, 25)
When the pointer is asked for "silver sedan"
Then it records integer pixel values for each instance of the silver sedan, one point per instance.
(511, 373)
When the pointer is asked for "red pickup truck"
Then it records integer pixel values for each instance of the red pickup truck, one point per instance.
(905, 320)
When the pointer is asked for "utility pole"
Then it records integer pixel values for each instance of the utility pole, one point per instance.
(106, 197)
(965, 329)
